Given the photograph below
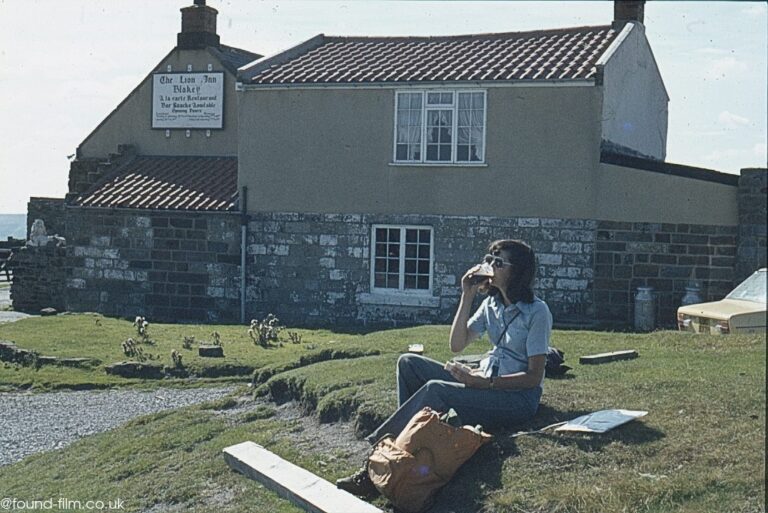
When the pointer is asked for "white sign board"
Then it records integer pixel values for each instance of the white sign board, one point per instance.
(188, 100)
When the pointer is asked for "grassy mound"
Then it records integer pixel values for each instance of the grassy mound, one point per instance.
(700, 449)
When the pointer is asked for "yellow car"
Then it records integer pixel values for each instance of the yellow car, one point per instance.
(742, 311)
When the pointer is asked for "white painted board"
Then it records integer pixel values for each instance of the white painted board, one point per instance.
(300, 486)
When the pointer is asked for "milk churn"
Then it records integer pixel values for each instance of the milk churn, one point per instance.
(692, 296)
(645, 315)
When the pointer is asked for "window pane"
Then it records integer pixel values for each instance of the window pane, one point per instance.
(424, 236)
(380, 265)
(431, 152)
(394, 235)
(423, 267)
(379, 280)
(393, 265)
(411, 235)
(424, 251)
(410, 281)
(439, 98)
(408, 126)
(423, 282)
(444, 153)
(392, 281)
(410, 266)
(471, 125)
(410, 251)
(464, 134)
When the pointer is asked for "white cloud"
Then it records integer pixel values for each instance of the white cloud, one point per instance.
(717, 155)
(713, 51)
(727, 67)
(758, 9)
(732, 121)
(761, 151)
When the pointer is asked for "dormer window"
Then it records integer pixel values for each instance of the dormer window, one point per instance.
(440, 127)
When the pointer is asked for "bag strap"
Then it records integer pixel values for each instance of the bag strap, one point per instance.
(506, 326)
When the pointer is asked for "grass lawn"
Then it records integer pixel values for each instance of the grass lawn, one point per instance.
(700, 449)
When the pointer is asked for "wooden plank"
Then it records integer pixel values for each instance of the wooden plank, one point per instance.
(300, 486)
(608, 357)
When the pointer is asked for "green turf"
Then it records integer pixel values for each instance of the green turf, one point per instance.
(700, 449)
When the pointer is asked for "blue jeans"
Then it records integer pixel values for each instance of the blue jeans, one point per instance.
(423, 382)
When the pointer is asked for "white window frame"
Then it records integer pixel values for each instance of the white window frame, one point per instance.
(454, 127)
(401, 290)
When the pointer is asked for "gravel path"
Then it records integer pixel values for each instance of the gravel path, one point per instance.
(31, 423)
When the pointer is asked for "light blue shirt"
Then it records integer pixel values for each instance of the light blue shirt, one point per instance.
(527, 335)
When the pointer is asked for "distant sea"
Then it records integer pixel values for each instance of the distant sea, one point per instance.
(13, 225)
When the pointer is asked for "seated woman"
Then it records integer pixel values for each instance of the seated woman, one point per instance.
(507, 386)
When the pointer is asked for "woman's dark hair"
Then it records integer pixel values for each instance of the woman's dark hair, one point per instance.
(523, 261)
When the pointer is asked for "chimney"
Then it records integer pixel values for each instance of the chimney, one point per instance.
(198, 27)
(628, 10)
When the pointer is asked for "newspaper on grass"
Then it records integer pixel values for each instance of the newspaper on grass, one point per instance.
(601, 421)
(597, 422)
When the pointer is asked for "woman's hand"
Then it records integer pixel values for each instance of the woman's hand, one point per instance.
(471, 284)
(472, 378)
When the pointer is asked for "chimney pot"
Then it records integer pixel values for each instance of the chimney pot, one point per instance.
(628, 10)
(198, 27)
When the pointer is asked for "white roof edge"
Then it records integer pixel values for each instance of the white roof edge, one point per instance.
(623, 35)
(603, 60)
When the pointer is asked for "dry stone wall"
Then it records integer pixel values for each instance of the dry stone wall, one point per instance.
(667, 257)
(314, 269)
(179, 266)
(39, 277)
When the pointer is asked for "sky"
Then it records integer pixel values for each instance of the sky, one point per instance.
(65, 65)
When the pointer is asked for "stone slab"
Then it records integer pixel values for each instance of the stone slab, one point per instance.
(298, 485)
(210, 351)
(608, 357)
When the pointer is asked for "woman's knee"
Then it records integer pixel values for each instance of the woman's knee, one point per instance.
(408, 360)
(439, 387)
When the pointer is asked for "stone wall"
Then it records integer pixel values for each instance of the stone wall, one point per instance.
(167, 266)
(667, 257)
(314, 269)
(85, 172)
(51, 211)
(39, 277)
(751, 251)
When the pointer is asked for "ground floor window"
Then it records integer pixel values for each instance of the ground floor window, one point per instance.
(401, 258)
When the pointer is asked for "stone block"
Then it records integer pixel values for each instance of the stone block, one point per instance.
(328, 240)
(566, 247)
(568, 284)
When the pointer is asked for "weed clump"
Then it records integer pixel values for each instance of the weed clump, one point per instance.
(265, 331)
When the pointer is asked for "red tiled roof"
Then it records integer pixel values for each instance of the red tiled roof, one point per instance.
(564, 54)
(168, 183)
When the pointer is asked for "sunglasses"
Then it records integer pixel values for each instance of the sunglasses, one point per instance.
(496, 261)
